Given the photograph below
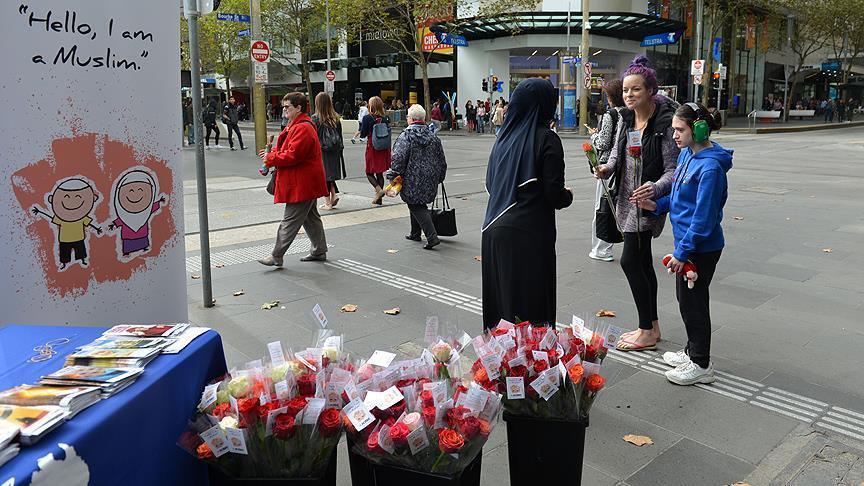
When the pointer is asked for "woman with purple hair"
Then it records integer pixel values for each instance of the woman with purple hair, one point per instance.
(643, 162)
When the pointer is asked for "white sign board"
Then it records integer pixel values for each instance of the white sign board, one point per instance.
(93, 223)
(261, 75)
(697, 67)
(697, 79)
(329, 86)
(723, 71)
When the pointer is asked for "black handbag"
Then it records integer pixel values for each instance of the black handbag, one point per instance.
(271, 186)
(444, 218)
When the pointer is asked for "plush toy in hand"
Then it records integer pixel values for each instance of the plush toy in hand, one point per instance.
(689, 273)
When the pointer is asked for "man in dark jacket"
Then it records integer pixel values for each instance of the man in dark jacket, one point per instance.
(418, 157)
(230, 116)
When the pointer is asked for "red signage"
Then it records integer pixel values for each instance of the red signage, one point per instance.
(330, 75)
(260, 51)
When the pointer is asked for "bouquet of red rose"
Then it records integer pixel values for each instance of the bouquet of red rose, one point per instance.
(540, 371)
(422, 416)
(279, 420)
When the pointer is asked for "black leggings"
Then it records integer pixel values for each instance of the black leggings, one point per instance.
(638, 265)
(377, 180)
(213, 128)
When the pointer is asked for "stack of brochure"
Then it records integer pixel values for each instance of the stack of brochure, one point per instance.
(112, 358)
(109, 380)
(72, 399)
(147, 331)
(32, 422)
(8, 448)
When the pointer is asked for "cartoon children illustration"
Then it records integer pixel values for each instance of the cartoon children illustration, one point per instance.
(134, 204)
(71, 202)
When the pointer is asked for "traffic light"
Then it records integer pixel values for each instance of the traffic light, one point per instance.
(494, 80)
(716, 75)
(485, 84)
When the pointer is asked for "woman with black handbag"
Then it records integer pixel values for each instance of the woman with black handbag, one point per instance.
(525, 181)
(603, 139)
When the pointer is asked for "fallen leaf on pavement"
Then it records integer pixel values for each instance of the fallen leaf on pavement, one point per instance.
(195, 277)
(740, 483)
(638, 440)
(219, 265)
(738, 218)
(392, 312)
(239, 293)
(478, 258)
(464, 198)
(391, 250)
(349, 308)
(269, 305)
(827, 250)
(605, 313)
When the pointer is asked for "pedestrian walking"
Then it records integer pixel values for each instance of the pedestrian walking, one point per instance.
(498, 117)
(525, 181)
(481, 117)
(841, 111)
(299, 182)
(418, 157)
(329, 129)
(829, 111)
(377, 160)
(603, 138)
(648, 123)
(446, 113)
(269, 111)
(188, 118)
(230, 117)
(695, 206)
(471, 116)
(362, 111)
(209, 119)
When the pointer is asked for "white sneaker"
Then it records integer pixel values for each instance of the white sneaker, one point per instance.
(602, 258)
(690, 373)
(219, 146)
(676, 359)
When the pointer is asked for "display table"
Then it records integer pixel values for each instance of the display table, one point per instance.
(130, 438)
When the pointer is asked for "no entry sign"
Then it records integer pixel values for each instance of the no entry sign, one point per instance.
(260, 51)
(330, 75)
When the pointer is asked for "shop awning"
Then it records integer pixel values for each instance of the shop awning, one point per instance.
(622, 25)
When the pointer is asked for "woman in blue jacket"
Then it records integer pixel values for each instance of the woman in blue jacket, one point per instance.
(695, 207)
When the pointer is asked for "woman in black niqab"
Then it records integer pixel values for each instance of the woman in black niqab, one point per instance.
(525, 181)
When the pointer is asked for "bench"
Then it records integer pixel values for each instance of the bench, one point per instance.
(767, 116)
(802, 113)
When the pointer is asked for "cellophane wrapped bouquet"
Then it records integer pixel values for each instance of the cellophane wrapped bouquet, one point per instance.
(279, 419)
(543, 372)
(420, 414)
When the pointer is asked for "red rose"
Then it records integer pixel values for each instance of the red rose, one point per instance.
(389, 421)
(481, 376)
(330, 422)
(204, 451)
(426, 398)
(594, 383)
(470, 427)
(460, 390)
(403, 383)
(380, 414)
(399, 434)
(485, 428)
(540, 366)
(498, 331)
(429, 416)
(587, 147)
(455, 415)
(295, 406)
(372, 443)
(222, 410)
(553, 356)
(306, 384)
(264, 410)
(519, 370)
(635, 152)
(398, 409)
(248, 408)
(450, 441)
(284, 426)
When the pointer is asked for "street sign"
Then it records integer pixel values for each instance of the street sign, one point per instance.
(330, 75)
(587, 69)
(661, 39)
(587, 81)
(244, 33)
(261, 75)
(451, 39)
(570, 60)
(697, 67)
(233, 17)
(260, 51)
(723, 71)
(329, 86)
(831, 66)
(697, 79)
(499, 86)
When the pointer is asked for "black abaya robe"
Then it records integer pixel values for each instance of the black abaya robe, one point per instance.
(519, 277)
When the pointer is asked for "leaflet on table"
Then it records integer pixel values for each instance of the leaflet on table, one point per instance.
(32, 421)
(184, 339)
(94, 374)
(152, 330)
(8, 432)
(31, 395)
(125, 342)
(114, 353)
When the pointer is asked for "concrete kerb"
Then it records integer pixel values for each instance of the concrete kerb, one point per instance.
(791, 129)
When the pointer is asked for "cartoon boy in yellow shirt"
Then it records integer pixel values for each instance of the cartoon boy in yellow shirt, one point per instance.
(72, 202)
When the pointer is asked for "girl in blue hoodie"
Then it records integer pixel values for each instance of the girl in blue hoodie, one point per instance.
(695, 207)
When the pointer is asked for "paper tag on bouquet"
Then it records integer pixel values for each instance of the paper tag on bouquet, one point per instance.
(439, 391)
(381, 358)
(351, 391)
(384, 440)
(577, 325)
(409, 393)
(491, 407)
(464, 340)
(515, 388)
(519, 360)
(263, 398)
(271, 419)
(236, 441)
(318, 313)
(427, 357)
(573, 361)
(544, 387)
(553, 376)
(634, 138)
(506, 341)
(302, 357)
(333, 342)
(505, 324)
(333, 394)
(613, 335)
(541, 356)
(277, 355)
(548, 341)
(358, 414)
(492, 363)
(441, 411)
(418, 440)
(313, 410)
(476, 398)
(234, 407)
(216, 439)
(590, 368)
(208, 397)
(389, 397)
(431, 334)
(587, 335)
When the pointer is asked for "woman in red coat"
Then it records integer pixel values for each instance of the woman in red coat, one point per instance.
(299, 181)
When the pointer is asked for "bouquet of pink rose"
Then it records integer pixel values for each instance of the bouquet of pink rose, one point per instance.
(419, 414)
(540, 371)
(276, 420)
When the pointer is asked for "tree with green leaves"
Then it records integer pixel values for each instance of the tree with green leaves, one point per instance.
(220, 48)
(808, 33)
(846, 35)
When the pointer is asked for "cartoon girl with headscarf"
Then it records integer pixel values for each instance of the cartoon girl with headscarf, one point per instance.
(134, 204)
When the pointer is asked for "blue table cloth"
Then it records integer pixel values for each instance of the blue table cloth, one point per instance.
(130, 438)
